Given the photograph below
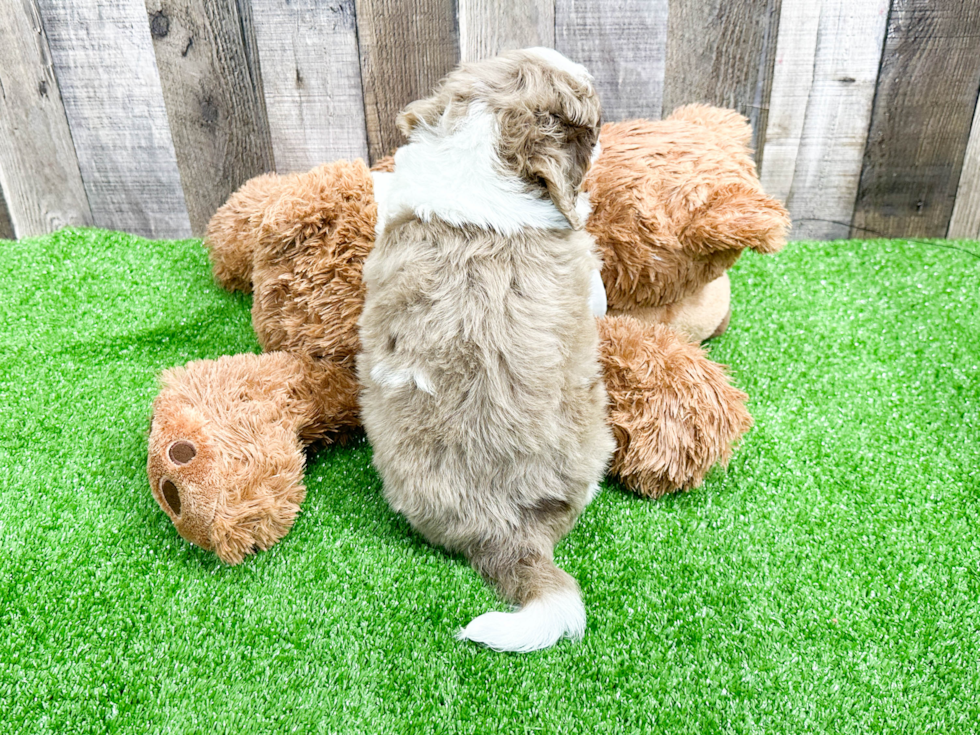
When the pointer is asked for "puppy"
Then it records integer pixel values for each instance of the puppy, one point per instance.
(481, 388)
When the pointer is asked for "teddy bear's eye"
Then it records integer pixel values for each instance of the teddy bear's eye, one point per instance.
(182, 452)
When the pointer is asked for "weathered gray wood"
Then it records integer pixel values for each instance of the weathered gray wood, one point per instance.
(103, 57)
(827, 59)
(965, 222)
(251, 49)
(312, 81)
(624, 45)
(218, 124)
(406, 47)
(39, 173)
(487, 27)
(6, 227)
(924, 105)
(721, 52)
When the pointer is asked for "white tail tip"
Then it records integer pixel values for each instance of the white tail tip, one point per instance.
(539, 624)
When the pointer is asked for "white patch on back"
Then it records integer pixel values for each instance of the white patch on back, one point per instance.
(389, 377)
(583, 206)
(597, 294)
(593, 491)
(456, 176)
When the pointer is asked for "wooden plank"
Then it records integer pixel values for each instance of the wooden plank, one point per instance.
(103, 57)
(312, 81)
(406, 47)
(721, 52)
(487, 27)
(6, 227)
(42, 187)
(796, 50)
(218, 124)
(827, 59)
(965, 222)
(920, 127)
(251, 45)
(624, 45)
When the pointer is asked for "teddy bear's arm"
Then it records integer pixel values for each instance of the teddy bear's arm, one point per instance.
(673, 411)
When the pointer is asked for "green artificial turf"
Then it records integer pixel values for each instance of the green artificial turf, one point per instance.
(828, 581)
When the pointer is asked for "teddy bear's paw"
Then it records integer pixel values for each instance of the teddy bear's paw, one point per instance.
(674, 413)
(233, 232)
(180, 468)
(723, 326)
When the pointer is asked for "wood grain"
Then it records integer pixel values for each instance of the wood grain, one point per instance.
(312, 81)
(406, 47)
(6, 226)
(486, 27)
(721, 52)
(220, 133)
(104, 61)
(827, 59)
(624, 45)
(39, 177)
(920, 127)
(965, 222)
(251, 45)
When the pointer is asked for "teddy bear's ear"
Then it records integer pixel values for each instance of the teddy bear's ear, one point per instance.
(735, 217)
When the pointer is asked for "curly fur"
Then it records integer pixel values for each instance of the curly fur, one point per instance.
(481, 392)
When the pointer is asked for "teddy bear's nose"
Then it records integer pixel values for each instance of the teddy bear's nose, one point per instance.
(171, 495)
(182, 452)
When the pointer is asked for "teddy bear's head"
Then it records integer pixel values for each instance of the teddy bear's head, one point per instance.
(228, 478)
(674, 204)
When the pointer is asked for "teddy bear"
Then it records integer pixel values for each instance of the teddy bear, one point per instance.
(673, 205)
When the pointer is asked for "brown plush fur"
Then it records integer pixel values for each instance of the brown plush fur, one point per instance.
(674, 203)
(655, 383)
(243, 422)
(662, 446)
(251, 416)
(700, 316)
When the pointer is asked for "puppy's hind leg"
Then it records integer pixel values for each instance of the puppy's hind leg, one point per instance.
(549, 599)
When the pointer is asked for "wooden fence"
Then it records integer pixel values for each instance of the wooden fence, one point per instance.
(145, 116)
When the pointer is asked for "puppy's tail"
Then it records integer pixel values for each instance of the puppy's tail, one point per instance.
(550, 605)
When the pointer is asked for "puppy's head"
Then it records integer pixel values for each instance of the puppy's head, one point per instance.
(546, 112)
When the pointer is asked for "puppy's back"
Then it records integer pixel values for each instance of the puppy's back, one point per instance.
(488, 340)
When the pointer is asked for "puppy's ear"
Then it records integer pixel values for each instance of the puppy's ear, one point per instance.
(550, 141)
(423, 112)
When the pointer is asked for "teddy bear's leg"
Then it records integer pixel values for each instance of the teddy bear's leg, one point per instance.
(701, 315)
(226, 449)
(673, 411)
